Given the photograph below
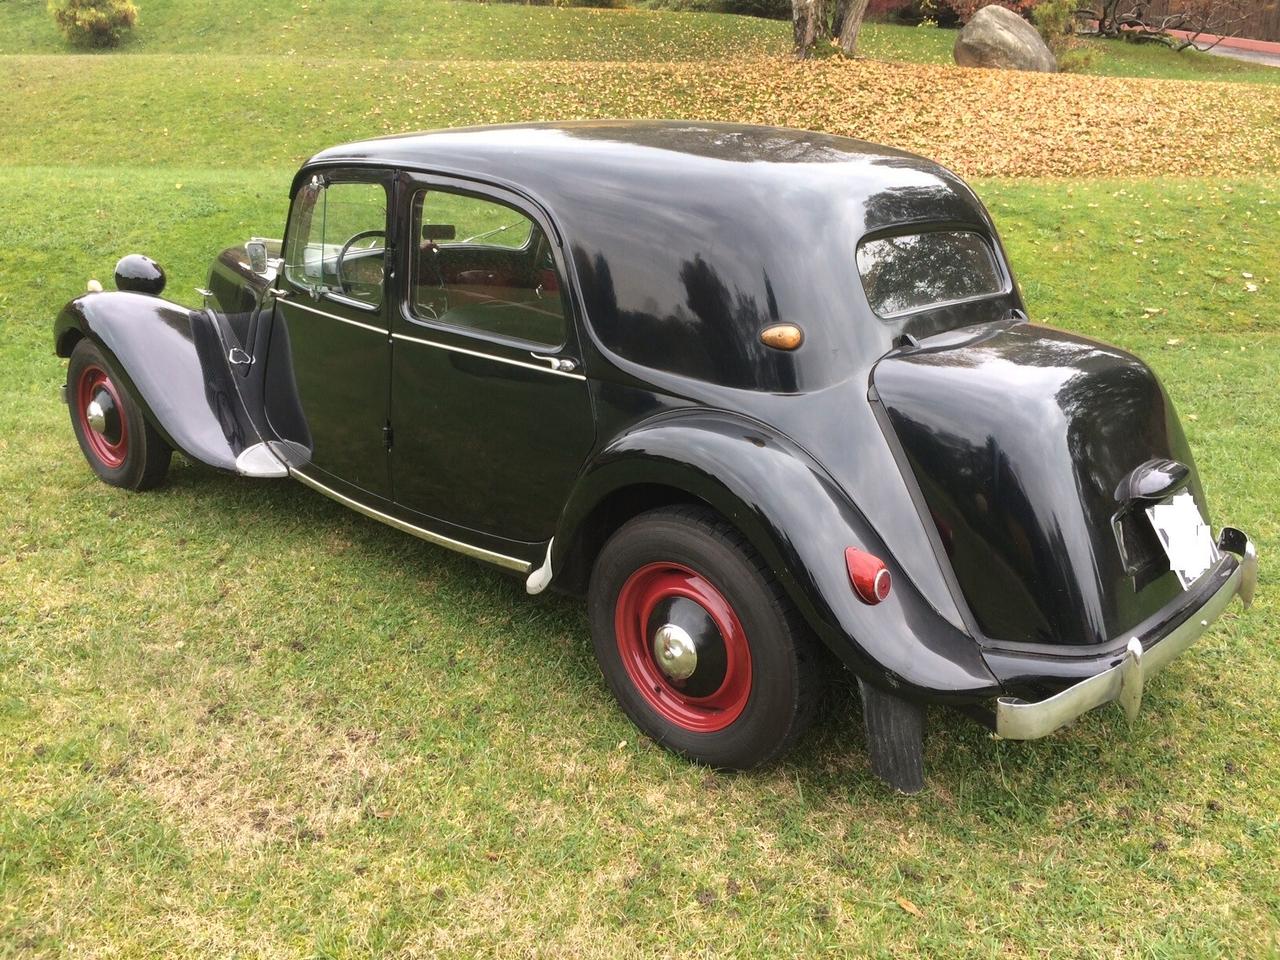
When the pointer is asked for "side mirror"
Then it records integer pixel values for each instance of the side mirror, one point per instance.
(257, 251)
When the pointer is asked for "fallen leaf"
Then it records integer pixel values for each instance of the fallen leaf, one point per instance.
(910, 907)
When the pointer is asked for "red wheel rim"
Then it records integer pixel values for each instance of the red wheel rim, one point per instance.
(647, 588)
(110, 442)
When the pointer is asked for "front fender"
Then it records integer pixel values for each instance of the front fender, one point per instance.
(171, 360)
(801, 522)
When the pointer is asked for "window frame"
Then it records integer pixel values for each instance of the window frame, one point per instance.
(383, 177)
(416, 182)
(935, 226)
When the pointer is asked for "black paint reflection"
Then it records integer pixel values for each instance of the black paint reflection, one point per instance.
(1019, 465)
(711, 334)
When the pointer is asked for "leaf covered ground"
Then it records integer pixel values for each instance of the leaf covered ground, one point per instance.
(979, 122)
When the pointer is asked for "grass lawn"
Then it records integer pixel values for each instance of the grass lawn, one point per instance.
(420, 30)
(238, 720)
(453, 30)
(253, 111)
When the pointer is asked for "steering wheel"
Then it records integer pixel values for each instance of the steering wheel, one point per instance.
(346, 247)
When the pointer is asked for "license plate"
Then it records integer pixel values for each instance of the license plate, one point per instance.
(1186, 538)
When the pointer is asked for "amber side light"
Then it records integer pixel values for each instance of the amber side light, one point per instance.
(782, 336)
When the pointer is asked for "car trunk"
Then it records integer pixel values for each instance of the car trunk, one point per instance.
(1025, 442)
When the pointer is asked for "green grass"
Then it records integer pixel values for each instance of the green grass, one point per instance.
(1114, 58)
(465, 30)
(419, 30)
(238, 720)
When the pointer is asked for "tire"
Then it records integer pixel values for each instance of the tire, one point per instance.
(755, 680)
(124, 449)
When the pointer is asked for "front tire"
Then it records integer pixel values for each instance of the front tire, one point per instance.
(699, 642)
(117, 440)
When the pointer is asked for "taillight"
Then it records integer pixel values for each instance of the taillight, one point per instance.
(870, 577)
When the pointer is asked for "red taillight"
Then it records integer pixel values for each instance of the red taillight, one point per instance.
(870, 577)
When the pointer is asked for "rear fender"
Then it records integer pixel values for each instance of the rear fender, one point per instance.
(800, 522)
(172, 360)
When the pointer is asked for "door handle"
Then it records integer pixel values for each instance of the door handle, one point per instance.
(558, 364)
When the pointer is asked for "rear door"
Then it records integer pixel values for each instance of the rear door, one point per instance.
(491, 412)
(328, 383)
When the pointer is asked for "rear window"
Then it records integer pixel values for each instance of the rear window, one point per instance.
(916, 271)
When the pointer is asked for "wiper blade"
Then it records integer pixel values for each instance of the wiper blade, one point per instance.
(490, 233)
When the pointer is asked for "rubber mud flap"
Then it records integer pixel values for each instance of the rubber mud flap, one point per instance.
(895, 738)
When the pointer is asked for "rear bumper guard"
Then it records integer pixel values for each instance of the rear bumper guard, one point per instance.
(1019, 720)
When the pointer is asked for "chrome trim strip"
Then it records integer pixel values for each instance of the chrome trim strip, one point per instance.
(334, 316)
(479, 553)
(1249, 574)
(1237, 542)
(1018, 720)
(488, 356)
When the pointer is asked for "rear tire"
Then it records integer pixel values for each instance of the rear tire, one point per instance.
(121, 445)
(683, 578)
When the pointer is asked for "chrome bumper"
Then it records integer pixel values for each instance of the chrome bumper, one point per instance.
(1018, 720)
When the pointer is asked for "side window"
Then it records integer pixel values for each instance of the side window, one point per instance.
(484, 266)
(337, 240)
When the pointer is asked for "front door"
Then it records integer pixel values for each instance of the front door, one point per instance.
(491, 412)
(327, 386)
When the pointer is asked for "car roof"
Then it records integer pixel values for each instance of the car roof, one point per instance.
(684, 239)
(662, 161)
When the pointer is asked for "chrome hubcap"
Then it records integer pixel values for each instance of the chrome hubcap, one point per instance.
(96, 417)
(675, 652)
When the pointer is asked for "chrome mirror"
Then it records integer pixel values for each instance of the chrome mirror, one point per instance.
(257, 251)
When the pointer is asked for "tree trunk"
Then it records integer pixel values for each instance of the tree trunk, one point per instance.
(851, 25)
(1108, 24)
(807, 20)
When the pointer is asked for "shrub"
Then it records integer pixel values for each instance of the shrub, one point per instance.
(771, 9)
(947, 13)
(888, 8)
(93, 23)
(1077, 59)
(965, 9)
(1055, 19)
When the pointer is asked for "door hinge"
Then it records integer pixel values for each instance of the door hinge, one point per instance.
(388, 435)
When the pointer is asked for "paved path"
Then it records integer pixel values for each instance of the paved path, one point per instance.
(1263, 57)
(1264, 52)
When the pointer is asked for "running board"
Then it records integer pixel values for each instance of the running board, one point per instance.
(458, 546)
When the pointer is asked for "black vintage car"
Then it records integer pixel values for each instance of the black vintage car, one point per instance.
(766, 397)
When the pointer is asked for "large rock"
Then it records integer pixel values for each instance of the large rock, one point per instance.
(999, 38)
